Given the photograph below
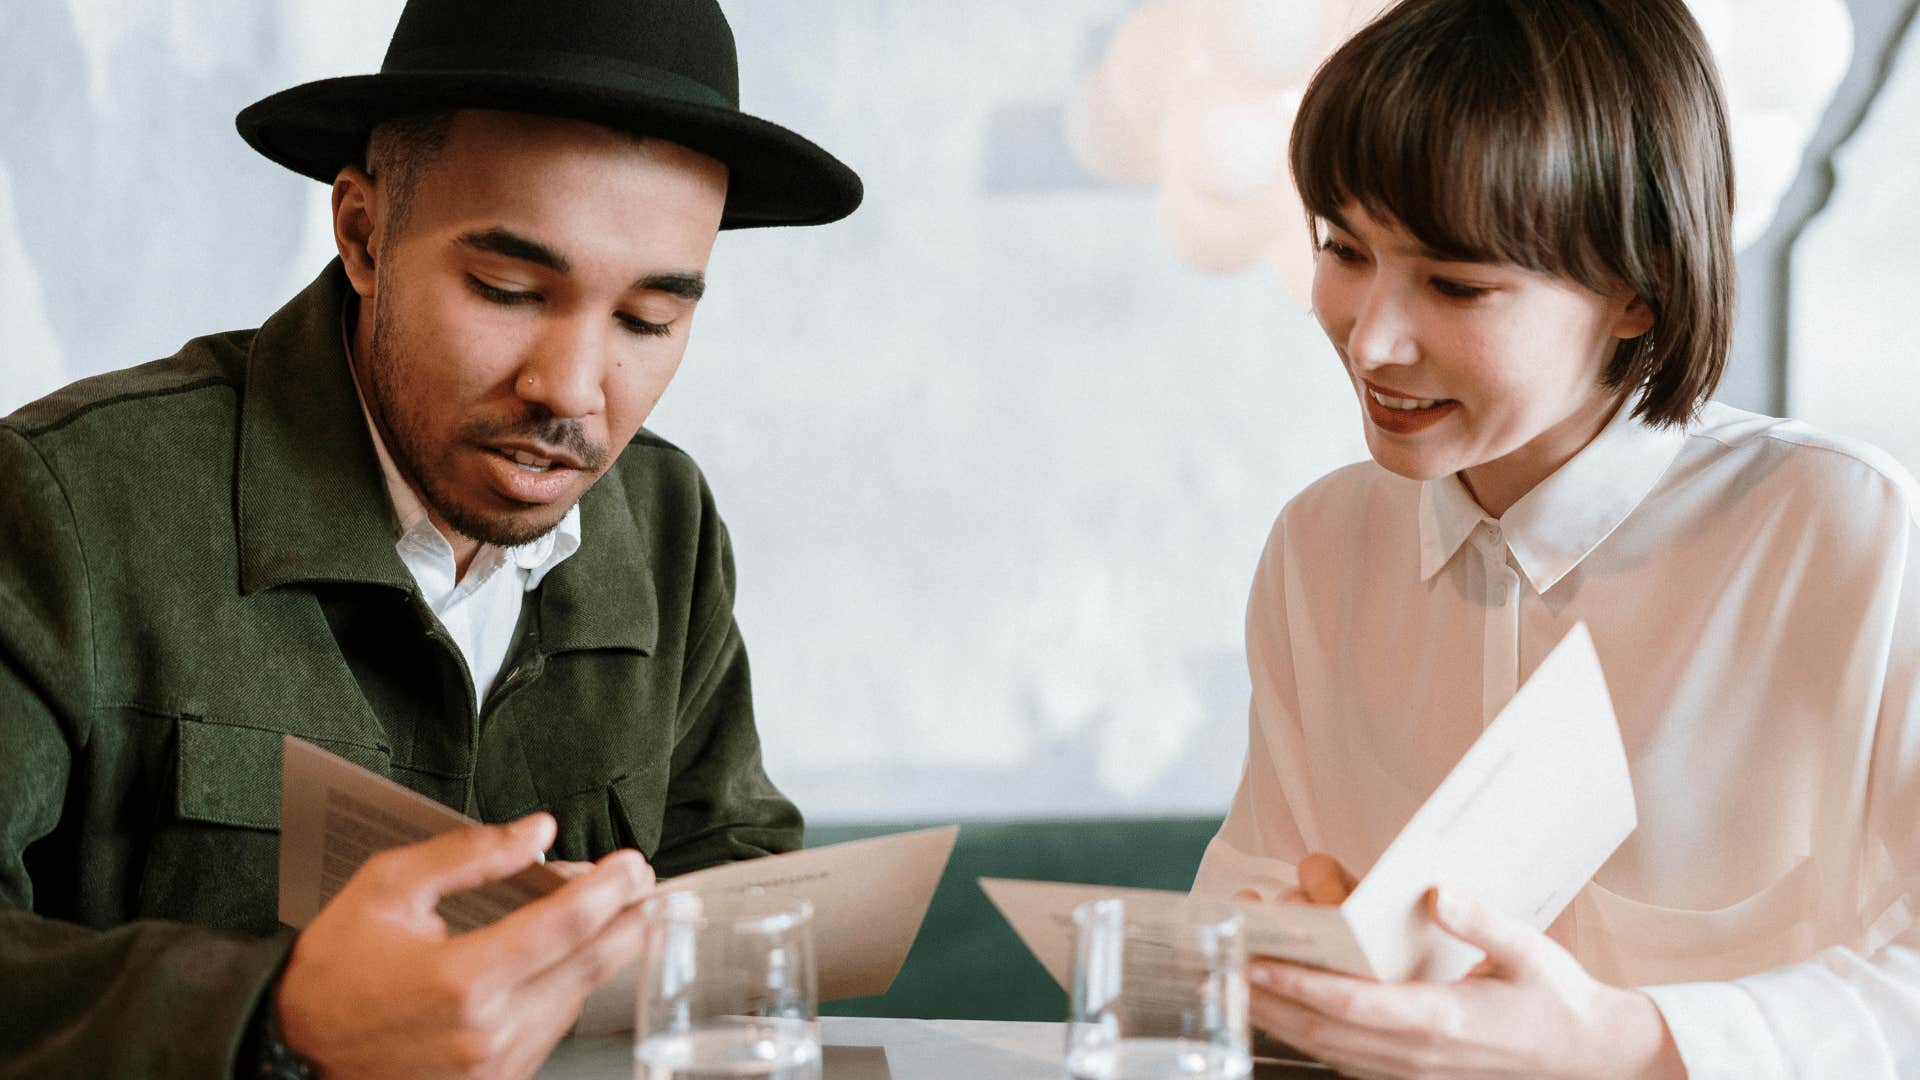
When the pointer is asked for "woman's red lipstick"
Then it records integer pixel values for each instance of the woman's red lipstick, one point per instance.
(1402, 421)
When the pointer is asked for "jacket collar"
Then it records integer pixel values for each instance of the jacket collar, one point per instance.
(312, 505)
(1554, 527)
(602, 597)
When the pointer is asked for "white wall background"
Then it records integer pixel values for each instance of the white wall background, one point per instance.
(1856, 276)
(996, 466)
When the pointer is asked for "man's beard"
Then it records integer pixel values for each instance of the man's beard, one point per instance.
(413, 452)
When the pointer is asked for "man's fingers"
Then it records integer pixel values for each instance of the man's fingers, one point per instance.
(618, 944)
(455, 861)
(547, 931)
(1324, 880)
(547, 1005)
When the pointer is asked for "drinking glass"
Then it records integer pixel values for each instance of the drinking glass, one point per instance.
(727, 988)
(1159, 990)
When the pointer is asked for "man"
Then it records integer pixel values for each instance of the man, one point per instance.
(413, 518)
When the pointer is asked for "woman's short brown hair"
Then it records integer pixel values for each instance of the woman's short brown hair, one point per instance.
(1582, 138)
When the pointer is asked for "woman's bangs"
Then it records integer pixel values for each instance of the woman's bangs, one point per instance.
(1445, 142)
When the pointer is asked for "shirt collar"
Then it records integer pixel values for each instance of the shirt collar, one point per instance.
(1552, 528)
(538, 556)
(1447, 517)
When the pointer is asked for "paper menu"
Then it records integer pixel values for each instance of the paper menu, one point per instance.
(1535, 806)
(869, 896)
(335, 815)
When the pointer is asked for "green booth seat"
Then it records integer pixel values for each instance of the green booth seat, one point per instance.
(967, 963)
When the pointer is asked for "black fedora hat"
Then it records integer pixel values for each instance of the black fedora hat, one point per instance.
(661, 68)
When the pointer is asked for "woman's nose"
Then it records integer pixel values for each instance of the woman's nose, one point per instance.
(1381, 334)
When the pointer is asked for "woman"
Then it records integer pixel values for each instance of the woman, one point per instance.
(1523, 214)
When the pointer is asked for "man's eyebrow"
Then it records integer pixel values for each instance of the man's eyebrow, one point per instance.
(498, 241)
(687, 286)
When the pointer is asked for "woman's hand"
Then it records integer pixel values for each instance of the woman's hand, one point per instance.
(1528, 1010)
(1322, 881)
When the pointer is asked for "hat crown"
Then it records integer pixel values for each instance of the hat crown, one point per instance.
(687, 38)
(661, 69)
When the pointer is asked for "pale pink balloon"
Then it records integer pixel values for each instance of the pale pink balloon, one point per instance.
(1264, 43)
(1292, 251)
(1103, 139)
(1219, 235)
(1225, 139)
(1114, 119)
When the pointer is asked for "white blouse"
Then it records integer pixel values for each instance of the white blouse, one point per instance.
(1754, 596)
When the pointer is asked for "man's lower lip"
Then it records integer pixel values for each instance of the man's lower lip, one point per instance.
(525, 485)
(1405, 421)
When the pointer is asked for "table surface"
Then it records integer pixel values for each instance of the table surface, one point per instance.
(861, 1048)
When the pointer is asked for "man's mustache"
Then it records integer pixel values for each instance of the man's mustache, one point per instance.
(553, 431)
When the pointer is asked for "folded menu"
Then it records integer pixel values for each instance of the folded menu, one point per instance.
(1539, 801)
(869, 896)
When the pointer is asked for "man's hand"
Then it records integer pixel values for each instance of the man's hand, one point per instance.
(376, 985)
(1529, 1010)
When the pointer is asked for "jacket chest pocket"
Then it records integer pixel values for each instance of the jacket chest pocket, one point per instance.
(619, 813)
(215, 858)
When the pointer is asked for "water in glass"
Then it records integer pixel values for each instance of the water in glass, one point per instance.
(1151, 1059)
(766, 1048)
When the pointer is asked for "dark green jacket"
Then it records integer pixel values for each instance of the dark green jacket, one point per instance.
(197, 555)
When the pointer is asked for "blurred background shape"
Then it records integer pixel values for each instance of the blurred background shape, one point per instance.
(1197, 97)
(998, 452)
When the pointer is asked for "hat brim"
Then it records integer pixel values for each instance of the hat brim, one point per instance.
(775, 176)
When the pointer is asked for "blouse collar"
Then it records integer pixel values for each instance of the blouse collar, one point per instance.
(1552, 528)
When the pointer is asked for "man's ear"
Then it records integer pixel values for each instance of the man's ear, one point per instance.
(357, 207)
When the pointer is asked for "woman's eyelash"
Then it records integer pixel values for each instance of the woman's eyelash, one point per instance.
(1457, 291)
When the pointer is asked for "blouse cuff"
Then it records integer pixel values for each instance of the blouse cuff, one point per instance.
(1720, 1030)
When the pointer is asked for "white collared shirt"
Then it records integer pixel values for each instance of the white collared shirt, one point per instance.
(481, 610)
(1753, 589)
